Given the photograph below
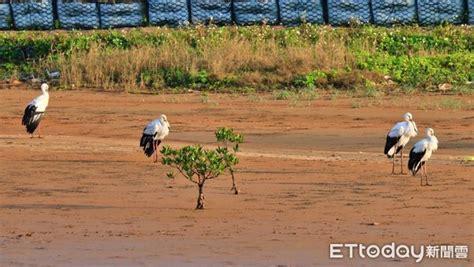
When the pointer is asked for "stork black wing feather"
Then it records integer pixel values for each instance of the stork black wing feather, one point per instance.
(31, 119)
(391, 141)
(414, 162)
(147, 143)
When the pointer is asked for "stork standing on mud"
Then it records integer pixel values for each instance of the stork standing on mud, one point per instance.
(398, 137)
(34, 111)
(421, 152)
(153, 134)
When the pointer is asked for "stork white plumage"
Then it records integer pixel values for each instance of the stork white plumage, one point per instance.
(398, 137)
(421, 153)
(35, 110)
(153, 134)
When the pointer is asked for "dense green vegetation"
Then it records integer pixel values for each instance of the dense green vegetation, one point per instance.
(363, 59)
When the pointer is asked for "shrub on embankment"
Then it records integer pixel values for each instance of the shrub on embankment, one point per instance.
(239, 58)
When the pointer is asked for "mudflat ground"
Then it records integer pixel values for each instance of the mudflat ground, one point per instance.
(311, 173)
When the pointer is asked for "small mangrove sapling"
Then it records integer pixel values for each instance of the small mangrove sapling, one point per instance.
(198, 165)
(228, 137)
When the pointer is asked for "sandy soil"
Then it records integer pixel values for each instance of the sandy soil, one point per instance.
(311, 173)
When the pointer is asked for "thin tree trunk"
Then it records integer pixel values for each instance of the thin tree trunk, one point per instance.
(200, 200)
(234, 185)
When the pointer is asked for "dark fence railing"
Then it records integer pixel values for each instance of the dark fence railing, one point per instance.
(91, 14)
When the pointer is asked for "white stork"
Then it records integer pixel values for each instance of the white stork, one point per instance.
(34, 111)
(421, 152)
(153, 134)
(398, 137)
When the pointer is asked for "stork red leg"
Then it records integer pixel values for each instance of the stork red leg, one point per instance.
(401, 161)
(39, 131)
(426, 175)
(421, 179)
(393, 164)
(154, 151)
